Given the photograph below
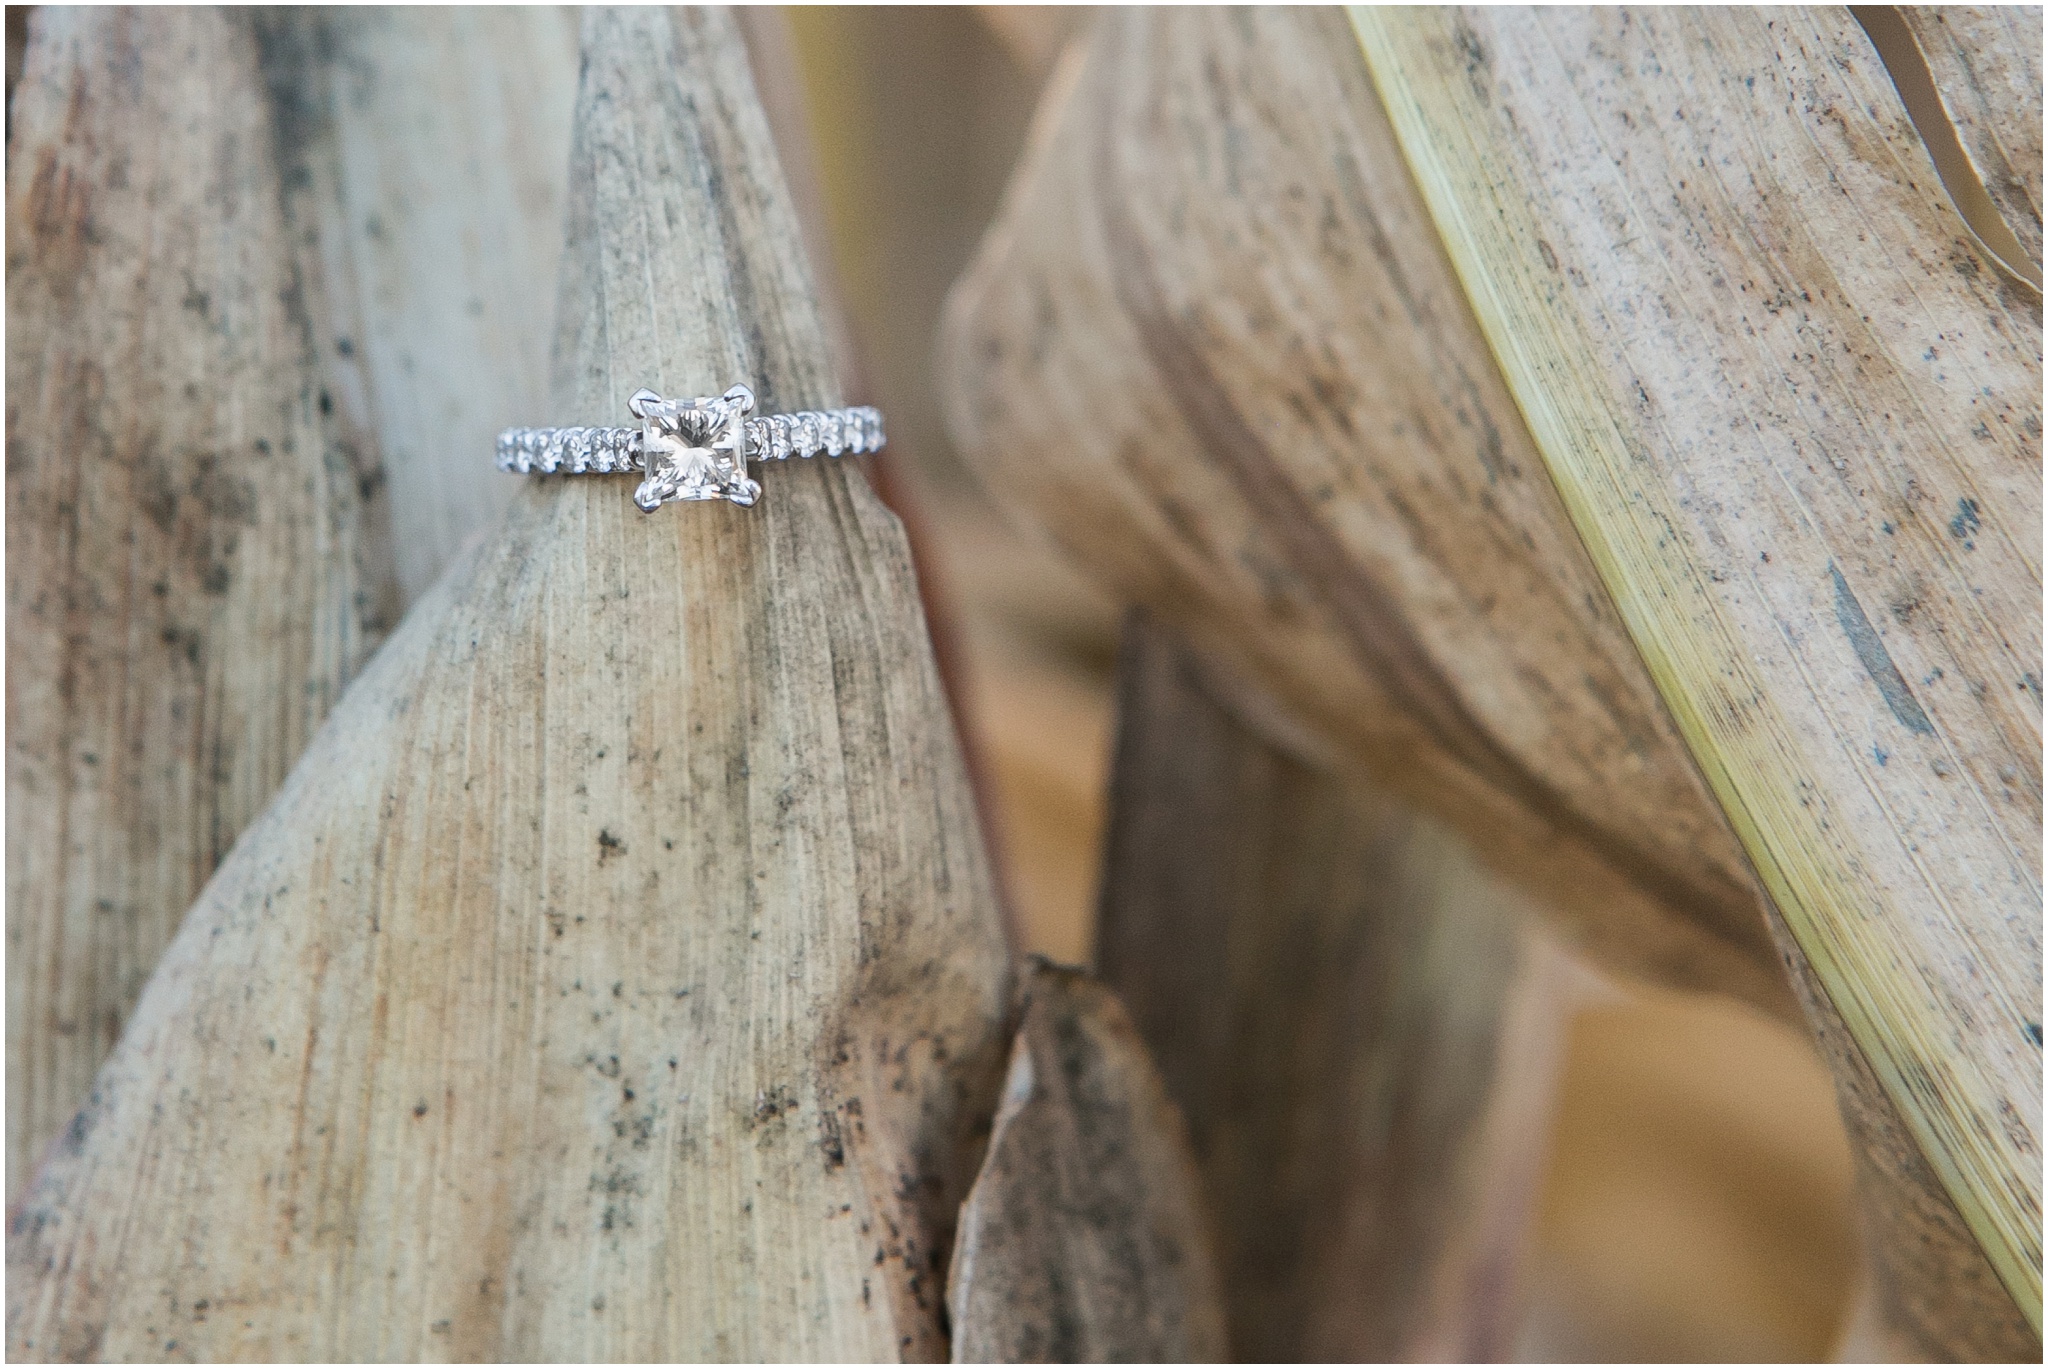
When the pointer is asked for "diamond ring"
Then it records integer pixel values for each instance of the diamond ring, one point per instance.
(690, 448)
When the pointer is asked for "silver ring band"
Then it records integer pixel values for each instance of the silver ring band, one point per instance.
(609, 451)
(694, 442)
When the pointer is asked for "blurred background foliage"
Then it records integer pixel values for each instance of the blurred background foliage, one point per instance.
(1696, 1204)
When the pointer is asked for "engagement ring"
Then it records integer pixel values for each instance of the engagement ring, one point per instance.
(690, 449)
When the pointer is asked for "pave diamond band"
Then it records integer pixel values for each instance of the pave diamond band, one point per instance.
(609, 451)
(571, 451)
(691, 449)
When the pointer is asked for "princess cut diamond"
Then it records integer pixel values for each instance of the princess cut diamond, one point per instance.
(694, 449)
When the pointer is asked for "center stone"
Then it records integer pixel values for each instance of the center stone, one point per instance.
(694, 449)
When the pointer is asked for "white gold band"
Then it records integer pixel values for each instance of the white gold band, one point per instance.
(613, 451)
(690, 449)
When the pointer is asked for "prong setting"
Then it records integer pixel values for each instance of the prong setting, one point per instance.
(693, 449)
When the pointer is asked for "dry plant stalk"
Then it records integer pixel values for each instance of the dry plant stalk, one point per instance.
(436, 140)
(618, 975)
(1838, 593)
(1217, 345)
(1356, 1019)
(1215, 348)
(257, 347)
(198, 555)
(1084, 1239)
